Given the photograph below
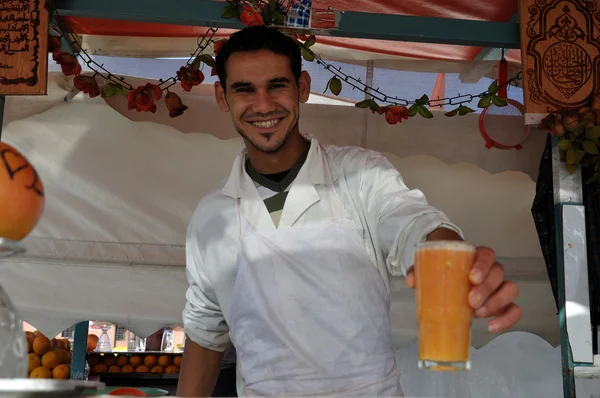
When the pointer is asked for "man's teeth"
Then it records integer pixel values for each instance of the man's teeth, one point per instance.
(266, 124)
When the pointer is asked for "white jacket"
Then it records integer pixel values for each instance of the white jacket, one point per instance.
(390, 217)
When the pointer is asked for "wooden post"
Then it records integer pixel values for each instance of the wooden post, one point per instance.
(23, 47)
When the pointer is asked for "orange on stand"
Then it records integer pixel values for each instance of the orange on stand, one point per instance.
(127, 369)
(21, 194)
(150, 361)
(177, 360)
(109, 359)
(165, 360)
(92, 342)
(122, 360)
(33, 361)
(136, 361)
(61, 372)
(41, 345)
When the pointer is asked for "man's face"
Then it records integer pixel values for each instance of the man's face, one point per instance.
(263, 97)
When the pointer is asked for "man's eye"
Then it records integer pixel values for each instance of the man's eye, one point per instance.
(243, 90)
(276, 86)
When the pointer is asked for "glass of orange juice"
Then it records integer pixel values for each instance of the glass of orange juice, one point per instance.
(443, 311)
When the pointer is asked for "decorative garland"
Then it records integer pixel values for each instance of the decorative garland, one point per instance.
(66, 52)
(579, 134)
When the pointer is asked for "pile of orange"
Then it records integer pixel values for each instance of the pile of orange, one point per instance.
(48, 359)
(111, 363)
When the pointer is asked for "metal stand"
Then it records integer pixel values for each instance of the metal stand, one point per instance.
(573, 285)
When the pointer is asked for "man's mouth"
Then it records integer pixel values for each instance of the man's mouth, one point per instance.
(266, 124)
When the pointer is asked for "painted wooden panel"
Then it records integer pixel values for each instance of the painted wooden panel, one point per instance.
(23, 47)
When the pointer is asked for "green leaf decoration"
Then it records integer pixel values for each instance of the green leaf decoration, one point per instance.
(412, 111)
(363, 104)
(493, 88)
(423, 100)
(571, 156)
(423, 111)
(335, 85)
(593, 133)
(307, 55)
(229, 11)
(463, 110)
(112, 89)
(278, 17)
(571, 168)
(453, 112)
(485, 101)
(207, 59)
(373, 106)
(499, 101)
(590, 147)
(310, 41)
(564, 145)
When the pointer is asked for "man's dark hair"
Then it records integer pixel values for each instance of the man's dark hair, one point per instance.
(258, 38)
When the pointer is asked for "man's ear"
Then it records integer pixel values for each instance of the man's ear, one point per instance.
(304, 87)
(220, 97)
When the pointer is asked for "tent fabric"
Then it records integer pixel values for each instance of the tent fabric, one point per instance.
(122, 185)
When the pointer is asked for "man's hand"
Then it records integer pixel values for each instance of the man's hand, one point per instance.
(491, 295)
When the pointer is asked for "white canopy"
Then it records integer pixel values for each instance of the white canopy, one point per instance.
(110, 245)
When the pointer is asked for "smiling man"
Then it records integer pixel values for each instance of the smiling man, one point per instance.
(290, 257)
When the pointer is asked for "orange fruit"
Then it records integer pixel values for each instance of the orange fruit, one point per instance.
(51, 359)
(177, 360)
(158, 369)
(21, 194)
(114, 369)
(136, 361)
(100, 368)
(92, 342)
(142, 369)
(122, 360)
(93, 360)
(63, 355)
(128, 391)
(150, 361)
(41, 345)
(109, 359)
(33, 361)
(30, 336)
(61, 372)
(127, 369)
(172, 369)
(165, 360)
(65, 344)
(40, 373)
(37, 333)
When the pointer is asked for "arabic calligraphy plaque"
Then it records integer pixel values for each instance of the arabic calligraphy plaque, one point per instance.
(23, 47)
(560, 50)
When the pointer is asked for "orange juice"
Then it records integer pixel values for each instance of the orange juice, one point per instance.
(442, 277)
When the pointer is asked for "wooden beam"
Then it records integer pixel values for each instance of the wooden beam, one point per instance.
(347, 24)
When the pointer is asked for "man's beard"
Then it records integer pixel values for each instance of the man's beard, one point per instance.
(270, 149)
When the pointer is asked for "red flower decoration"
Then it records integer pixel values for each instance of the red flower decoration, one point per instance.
(218, 45)
(87, 84)
(394, 114)
(189, 77)
(174, 105)
(213, 71)
(54, 44)
(142, 98)
(68, 63)
(250, 16)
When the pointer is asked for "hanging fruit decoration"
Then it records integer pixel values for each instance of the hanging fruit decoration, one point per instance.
(21, 194)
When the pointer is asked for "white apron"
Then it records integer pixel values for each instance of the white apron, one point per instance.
(310, 313)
